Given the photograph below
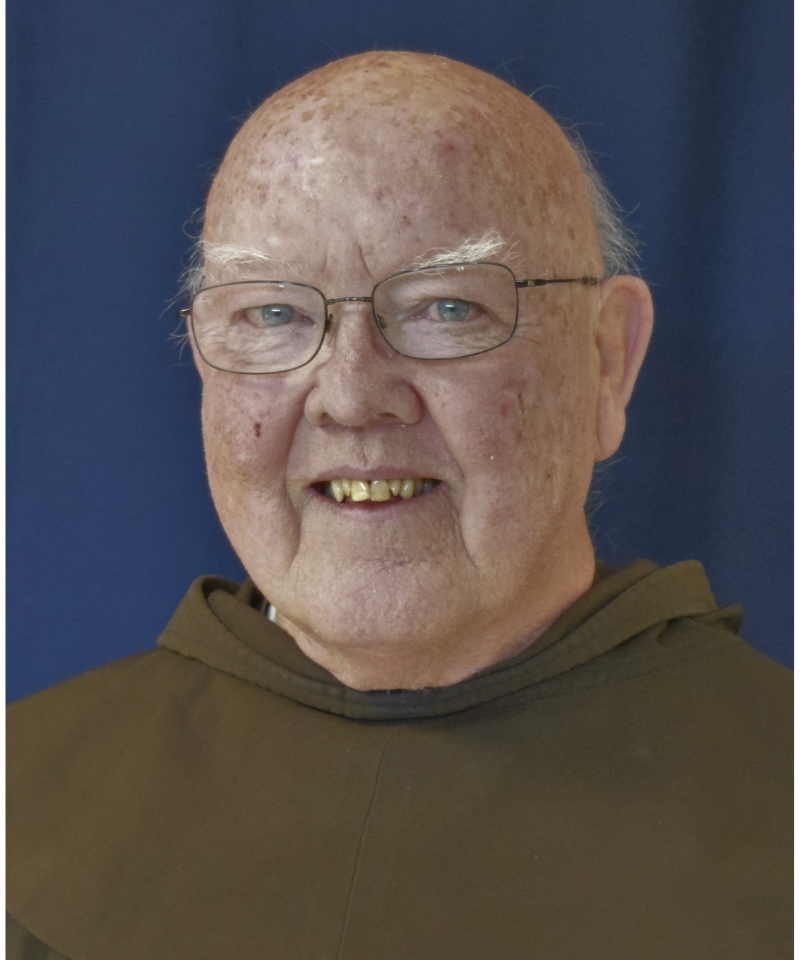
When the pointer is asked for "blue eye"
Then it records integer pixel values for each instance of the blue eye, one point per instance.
(275, 314)
(452, 309)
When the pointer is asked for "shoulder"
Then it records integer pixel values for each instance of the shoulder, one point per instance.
(105, 704)
(698, 669)
(82, 756)
(729, 666)
(109, 696)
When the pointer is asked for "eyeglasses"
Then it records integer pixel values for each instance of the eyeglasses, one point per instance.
(435, 313)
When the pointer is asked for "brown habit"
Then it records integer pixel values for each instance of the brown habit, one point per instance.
(619, 791)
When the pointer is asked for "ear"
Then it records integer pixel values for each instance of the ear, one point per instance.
(623, 332)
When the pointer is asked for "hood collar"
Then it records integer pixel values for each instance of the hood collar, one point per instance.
(224, 626)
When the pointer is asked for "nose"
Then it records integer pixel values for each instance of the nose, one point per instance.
(359, 380)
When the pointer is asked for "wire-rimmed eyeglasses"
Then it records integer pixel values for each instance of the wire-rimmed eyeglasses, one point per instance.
(443, 312)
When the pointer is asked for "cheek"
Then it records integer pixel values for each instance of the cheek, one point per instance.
(486, 417)
(247, 430)
(510, 423)
(562, 398)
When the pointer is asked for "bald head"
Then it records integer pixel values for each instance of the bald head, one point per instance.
(410, 134)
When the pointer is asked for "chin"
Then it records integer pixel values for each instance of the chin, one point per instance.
(377, 614)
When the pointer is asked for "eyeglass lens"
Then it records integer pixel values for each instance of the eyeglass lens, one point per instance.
(433, 313)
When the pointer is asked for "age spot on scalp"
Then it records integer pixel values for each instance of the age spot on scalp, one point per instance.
(257, 429)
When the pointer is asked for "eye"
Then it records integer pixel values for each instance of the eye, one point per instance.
(271, 315)
(451, 310)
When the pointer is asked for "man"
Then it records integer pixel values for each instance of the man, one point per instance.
(459, 738)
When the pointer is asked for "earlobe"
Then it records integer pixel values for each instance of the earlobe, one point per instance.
(623, 332)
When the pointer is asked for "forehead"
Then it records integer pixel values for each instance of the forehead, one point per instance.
(396, 162)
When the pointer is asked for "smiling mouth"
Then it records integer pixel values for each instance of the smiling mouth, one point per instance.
(374, 491)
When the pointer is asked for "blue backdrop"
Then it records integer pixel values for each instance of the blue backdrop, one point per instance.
(118, 114)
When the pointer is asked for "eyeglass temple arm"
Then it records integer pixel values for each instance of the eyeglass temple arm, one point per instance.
(540, 283)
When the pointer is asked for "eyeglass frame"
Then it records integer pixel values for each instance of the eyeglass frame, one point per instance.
(186, 312)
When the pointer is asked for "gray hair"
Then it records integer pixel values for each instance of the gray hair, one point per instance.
(618, 244)
(193, 277)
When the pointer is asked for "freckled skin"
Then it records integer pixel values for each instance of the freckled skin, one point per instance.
(347, 176)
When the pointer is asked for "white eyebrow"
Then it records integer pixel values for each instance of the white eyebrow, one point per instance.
(225, 255)
(205, 252)
(472, 250)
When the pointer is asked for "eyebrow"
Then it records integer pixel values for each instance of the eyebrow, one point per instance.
(471, 250)
(226, 255)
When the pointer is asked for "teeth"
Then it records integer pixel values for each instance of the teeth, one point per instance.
(359, 490)
(337, 491)
(378, 491)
